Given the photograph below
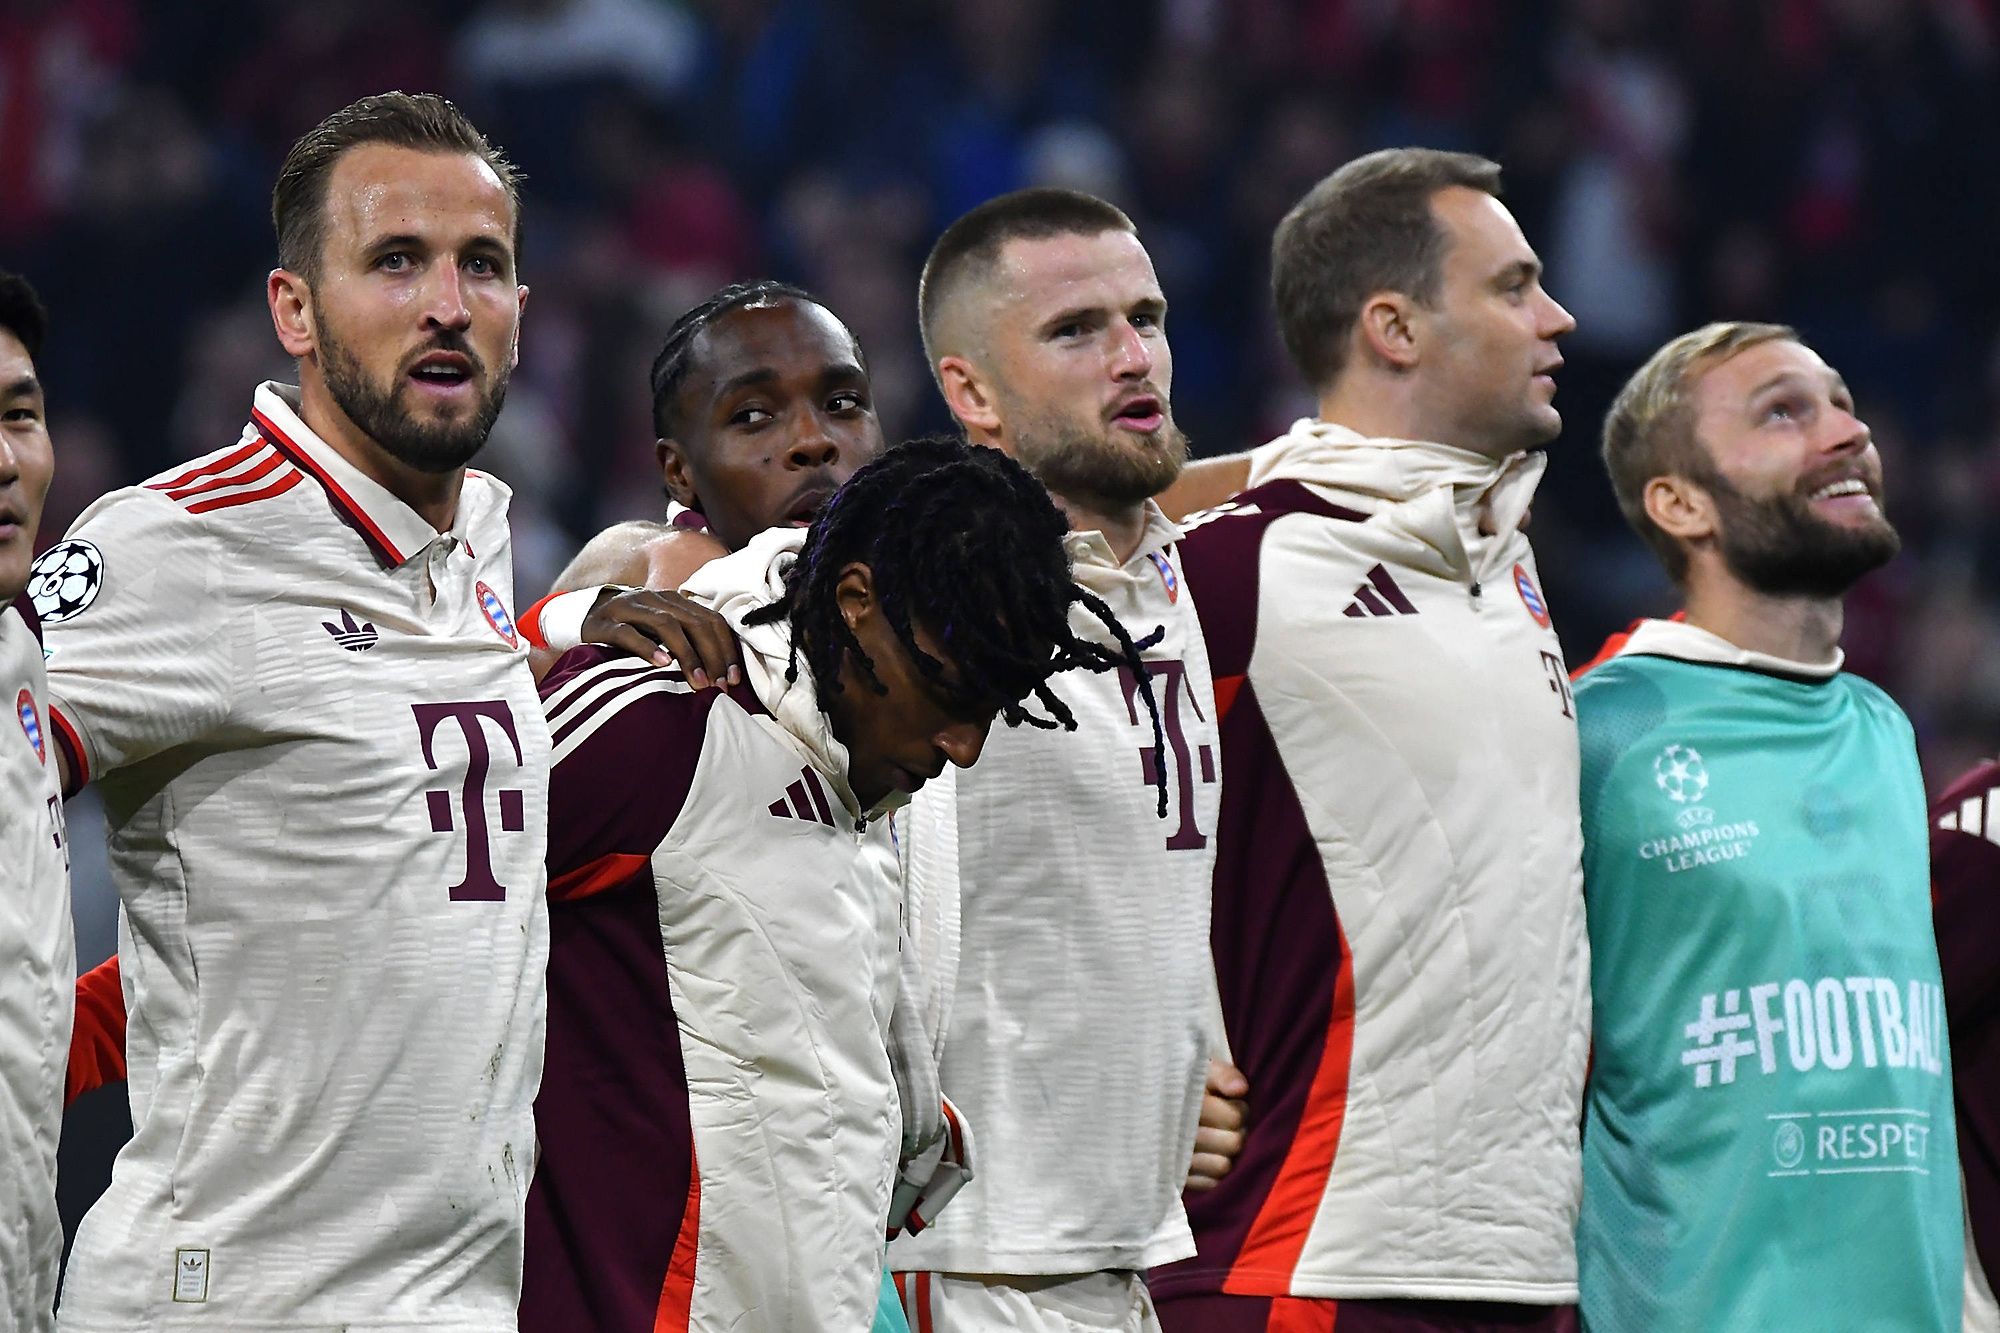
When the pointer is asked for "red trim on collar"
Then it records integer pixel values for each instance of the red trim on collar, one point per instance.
(344, 504)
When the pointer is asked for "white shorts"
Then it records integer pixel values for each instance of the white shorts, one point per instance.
(1110, 1302)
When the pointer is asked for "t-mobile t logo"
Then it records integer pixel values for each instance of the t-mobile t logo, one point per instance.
(1168, 687)
(479, 885)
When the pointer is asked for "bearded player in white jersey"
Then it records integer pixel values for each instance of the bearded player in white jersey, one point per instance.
(1076, 1039)
(291, 668)
(37, 952)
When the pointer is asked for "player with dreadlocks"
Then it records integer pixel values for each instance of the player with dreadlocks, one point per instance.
(719, 1117)
(1075, 1033)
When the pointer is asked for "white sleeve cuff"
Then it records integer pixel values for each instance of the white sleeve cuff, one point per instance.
(561, 621)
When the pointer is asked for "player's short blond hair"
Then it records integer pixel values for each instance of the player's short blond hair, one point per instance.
(1649, 431)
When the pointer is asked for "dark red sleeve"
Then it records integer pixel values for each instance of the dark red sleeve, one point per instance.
(1965, 902)
(1282, 968)
(614, 795)
(97, 1042)
(613, 1211)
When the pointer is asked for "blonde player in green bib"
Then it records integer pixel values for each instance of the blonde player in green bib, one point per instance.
(1769, 1138)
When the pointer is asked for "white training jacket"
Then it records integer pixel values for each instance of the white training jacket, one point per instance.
(1398, 910)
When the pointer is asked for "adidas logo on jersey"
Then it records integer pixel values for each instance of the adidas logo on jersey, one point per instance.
(1378, 595)
(807, 801)
(354, 638)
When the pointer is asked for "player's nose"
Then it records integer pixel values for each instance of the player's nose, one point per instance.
(10, 462)
(962, 742)
(814, 445)
(1132, 355)
(445, 305)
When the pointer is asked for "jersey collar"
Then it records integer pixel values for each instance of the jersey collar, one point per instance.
(1687, 643)
(394, 531)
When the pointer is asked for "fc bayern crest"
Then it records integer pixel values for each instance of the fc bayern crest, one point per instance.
(1531, 597)
(1166, 575)
(65, 579)
(31, 722)
(496, 615)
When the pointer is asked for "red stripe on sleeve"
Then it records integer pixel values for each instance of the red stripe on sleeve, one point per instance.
(1278, 1236)
(677, 1292)
(230, 501)
(593, 877)
(72, 744)
(97, 1042)
(220, 465)
(529, 622)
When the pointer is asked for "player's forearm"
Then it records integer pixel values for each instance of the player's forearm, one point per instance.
(1205, 483)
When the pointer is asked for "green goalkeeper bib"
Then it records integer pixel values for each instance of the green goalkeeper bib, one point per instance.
(1768, 1141)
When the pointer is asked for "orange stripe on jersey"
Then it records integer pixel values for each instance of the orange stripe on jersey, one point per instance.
(606, 872)
(278, 487)
(1278, 1236)
(925, 1319)
(1297, 1314)
(222, 464)
(1616, 645)
(677, 1292)
(271, 461)
(1225, 694)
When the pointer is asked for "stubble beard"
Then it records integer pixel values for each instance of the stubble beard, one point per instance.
(435, 447)
(1086, 461)
(1779, 547)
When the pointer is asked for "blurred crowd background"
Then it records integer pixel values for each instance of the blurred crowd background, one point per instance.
(1831, 163)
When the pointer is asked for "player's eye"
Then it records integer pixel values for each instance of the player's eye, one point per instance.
(481, 266)
(751, 416)
(396, 261)
(27, 414)
(847, 401)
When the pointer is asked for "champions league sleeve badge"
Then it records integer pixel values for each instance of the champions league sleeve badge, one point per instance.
(1166, 575)
(496, 615)
(65, 579)
(1531, 597)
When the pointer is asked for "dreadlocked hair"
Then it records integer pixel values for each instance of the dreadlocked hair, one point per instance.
(962, 540)
(670, 367)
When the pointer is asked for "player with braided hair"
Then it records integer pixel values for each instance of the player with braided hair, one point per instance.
(950, 562)
(719, 1116)
(1075, 864)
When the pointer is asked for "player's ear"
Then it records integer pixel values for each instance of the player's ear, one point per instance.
(1387, 329)
(674, 469)
(1680, 508)
(855, 595)
(290, 298)
(968, 395)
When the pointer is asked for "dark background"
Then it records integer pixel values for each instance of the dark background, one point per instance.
(1829, 163)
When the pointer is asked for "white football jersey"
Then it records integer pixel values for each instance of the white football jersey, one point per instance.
(1077, 1045)
(37, 983)
(325, 767)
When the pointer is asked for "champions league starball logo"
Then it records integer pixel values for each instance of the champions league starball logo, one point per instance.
(1680, 774)
(65, 579)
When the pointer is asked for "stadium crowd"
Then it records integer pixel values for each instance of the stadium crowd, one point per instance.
(1831, 163)
(1399, 957)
